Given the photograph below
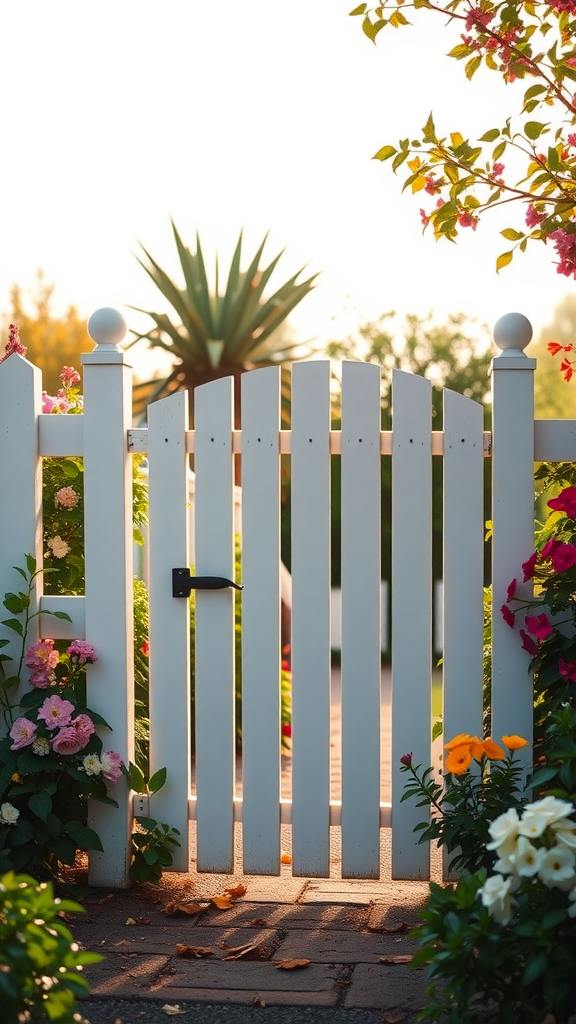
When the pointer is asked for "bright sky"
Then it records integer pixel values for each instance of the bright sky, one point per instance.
(117, 114)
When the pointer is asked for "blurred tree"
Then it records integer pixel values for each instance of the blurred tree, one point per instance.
(553, 400)
(51, 341)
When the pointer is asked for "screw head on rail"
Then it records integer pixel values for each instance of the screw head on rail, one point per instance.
(107, 327)
(513, 331)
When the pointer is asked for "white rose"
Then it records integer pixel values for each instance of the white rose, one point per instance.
(8, 814)
(503, 829)
(527, 858)
(58, 547)
(557, 866)
(496, 896)
(92, 764)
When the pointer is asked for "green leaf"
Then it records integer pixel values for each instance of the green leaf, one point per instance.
(534, 968)
(533, 129)
(498, 151)
(150, 856)
(40, 804)
(136, 779)
(13, 624)
(534, 90)
(11, 681)
(437, 729)
(30, 563)
(490, 136)
(61, 615)
(70, 469)
(503, 260)
(385, 153)
(157, 780)
(358, 10)
(147, 823)
(429, 131)
(472, 66)
(13, 603)
(84, 837)
(511, 234)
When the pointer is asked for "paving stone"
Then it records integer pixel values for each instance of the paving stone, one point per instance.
(262, 997)
(399, 904)
(385, 987)
(343, 947)
(234, 975)
(124, 975)
(131, 939)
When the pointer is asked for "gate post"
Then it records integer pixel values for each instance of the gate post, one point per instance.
(512, 522)
(109, 576)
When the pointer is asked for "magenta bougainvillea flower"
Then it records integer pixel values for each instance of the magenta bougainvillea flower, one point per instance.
(567, 669)
(565, 502)
(563, 557)
(511, 589)
(507, 615)
(549, 547)
(539, 626)
(528, 643)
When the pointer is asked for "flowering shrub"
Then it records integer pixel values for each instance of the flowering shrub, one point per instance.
(480, 781)
(503, 945)
(52, 759)
(466, 177)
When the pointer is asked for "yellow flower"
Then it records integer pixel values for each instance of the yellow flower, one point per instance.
(493, 751)
(459, 759)
(514, 742)
(16, 777)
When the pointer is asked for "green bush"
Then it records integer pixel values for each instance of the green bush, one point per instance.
(40, 963)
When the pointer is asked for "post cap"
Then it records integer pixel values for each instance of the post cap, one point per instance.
(513, 331)
(107, 327)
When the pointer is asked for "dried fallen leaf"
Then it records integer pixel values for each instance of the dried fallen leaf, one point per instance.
(222, 902)
(129, 920)
(286, 858)
(192, 951)
(257, 1001)
(392, 1018)
(291, 965)
(402, 958)
(171, 1009)
(260, 922)
(185, 908)
(105, 899)
(249, 951)
(235, 891)
(402, 926)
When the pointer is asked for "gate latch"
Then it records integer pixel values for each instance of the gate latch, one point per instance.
(183, 583)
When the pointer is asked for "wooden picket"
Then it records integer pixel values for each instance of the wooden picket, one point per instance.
(103, 616)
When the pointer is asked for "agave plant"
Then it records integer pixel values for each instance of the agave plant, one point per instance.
(219, 335)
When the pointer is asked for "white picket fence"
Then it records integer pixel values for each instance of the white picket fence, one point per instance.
(105, 439)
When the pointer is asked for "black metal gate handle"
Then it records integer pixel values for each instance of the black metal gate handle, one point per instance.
(183, 583)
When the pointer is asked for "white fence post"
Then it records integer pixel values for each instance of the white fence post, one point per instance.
(109, 576)
(20, 473)
(513, 522)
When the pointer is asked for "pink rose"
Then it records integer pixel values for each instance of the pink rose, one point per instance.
(83, 651)
(83, 724)
(42, 678)
(56, 712)
(69, 741)
(23, 732)
(41, 655)
(111, 766)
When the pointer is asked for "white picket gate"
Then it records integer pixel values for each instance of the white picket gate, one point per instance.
(103, 436)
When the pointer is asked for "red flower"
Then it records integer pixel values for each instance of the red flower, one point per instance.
(285, 665)
(539, 626)
(528, 643)
(565, 502)
(407, 759)
(549, 547)
(563, 557)
(145, 648)
(511, 590)
(507, 615)
(286, 729)
(567, 669)
(554, 348)
(529, 566)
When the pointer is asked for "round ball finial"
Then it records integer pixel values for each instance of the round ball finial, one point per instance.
(107, 327)
(512, 331)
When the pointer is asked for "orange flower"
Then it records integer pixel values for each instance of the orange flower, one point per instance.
(477, 749)
(493, 751)
(460, 740)
(514, 742)
(459, 759)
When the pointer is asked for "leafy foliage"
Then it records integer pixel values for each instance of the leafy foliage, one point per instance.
(152, 843)
(40, 961)
(218, 334)
(466, 177)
